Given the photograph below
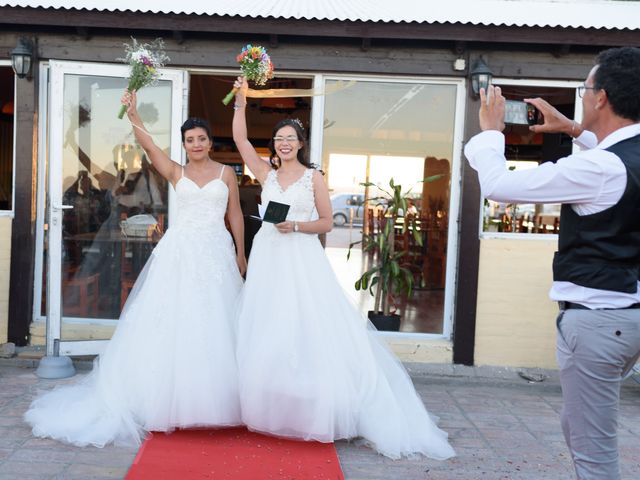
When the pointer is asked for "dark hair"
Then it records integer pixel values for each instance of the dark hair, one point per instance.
(195, 122)
(618, 74)
(302, 153)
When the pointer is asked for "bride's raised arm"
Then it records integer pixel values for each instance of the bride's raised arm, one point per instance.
(257, 166)
(169, 169)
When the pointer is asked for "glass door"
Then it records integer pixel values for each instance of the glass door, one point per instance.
(107, 206)
(405, 129)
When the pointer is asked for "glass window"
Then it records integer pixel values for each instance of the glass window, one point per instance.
(119, 200)
(355, 200)
(375, 131)
(525, 149)
(6, 137)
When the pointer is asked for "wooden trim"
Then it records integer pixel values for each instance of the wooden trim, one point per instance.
(23, 229)
(469, 252)
(346, 57)
(317, 28)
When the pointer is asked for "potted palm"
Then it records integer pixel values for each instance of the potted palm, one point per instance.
(388, 279)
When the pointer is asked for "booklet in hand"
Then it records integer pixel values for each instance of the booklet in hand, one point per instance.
(276, 212)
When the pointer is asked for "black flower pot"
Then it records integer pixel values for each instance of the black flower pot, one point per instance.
(390, 323)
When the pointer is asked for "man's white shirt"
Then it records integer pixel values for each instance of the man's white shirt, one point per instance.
(590, 180)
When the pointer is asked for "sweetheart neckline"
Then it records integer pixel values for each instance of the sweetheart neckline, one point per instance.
(198, 186)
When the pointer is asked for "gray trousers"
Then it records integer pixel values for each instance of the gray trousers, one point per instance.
(595, 350)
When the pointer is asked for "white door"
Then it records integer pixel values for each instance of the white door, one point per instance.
(99, 178)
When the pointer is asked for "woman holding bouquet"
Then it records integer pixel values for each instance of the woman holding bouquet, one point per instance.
(308, 366)
(171, 362)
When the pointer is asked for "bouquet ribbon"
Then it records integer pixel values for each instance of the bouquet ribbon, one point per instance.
(300, 92)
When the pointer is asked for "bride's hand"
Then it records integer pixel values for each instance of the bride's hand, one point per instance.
(242, 264)
(285, 227)
(130, 100)
(242, 86)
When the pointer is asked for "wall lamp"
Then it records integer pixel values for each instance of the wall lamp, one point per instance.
(480, 75)
(22, 58)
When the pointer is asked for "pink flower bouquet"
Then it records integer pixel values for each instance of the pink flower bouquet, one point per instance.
(144, 59)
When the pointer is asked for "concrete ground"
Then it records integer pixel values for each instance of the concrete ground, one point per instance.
(501, 425)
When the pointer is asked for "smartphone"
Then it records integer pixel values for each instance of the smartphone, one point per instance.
(520, 113)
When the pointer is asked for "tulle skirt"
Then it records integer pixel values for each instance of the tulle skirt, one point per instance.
(171, 361)
(311, 367)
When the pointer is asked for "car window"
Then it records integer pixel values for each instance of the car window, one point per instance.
(355, 200)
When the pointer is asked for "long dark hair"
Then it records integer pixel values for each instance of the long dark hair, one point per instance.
(302, 153)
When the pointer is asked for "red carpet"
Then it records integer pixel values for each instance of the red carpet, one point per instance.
(232, 454)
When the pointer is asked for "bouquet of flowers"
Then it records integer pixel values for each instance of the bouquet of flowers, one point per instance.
(144, 59)
(255, 65)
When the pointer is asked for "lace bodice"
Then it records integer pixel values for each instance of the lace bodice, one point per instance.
(199, 228)
(299, 195)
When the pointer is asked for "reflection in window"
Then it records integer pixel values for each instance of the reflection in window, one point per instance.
(375, 131)
(119, 200)
(525, 149)
(520, 217)
(6, 138)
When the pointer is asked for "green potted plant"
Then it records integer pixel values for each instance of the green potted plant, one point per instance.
(388, 279)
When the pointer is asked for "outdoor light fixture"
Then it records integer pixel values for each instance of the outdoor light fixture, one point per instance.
(22, 58)
(480, 76)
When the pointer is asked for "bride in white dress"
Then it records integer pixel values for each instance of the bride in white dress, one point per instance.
(308, 366)
(171, 361)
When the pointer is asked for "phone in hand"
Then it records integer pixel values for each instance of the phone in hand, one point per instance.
(520, 113)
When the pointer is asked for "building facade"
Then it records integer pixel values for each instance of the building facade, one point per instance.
(382, 95)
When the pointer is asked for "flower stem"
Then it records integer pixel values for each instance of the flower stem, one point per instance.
(123, 110)
(229, 96)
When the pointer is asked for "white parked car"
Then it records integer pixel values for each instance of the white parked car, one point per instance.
(347, 208)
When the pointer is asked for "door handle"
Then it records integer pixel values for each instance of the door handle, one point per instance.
(59, 206)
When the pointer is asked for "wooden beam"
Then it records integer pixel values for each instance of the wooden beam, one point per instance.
(83, 32)
(23, 229)
(459, 48)
(562, 51)
(468, 254)
(178, 36)
(348, 57)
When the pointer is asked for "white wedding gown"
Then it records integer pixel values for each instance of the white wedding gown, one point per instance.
(171, 361)
(309, 365)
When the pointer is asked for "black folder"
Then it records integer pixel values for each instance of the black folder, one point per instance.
(276, 212)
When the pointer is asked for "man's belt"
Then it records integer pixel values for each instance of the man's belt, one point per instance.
(577, 306)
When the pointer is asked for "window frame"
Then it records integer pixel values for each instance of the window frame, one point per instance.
(455, 192)
(11, 212)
